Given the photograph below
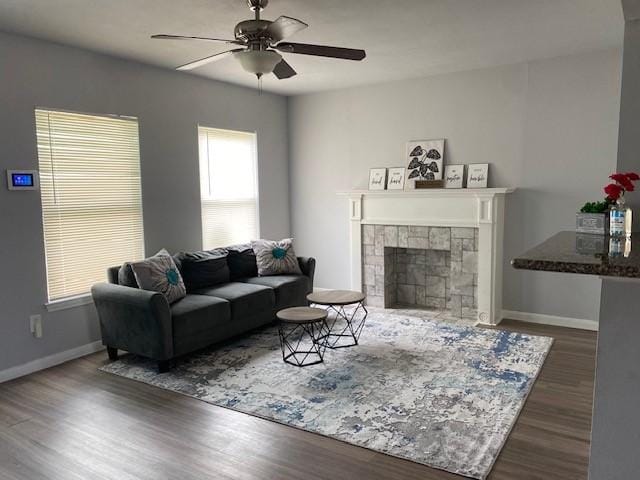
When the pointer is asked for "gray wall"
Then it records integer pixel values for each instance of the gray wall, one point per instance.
(629, 141)
(169, 106)
(548, 128)
(615, 433)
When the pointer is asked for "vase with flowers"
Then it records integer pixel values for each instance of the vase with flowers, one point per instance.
(620, 216)
(610, 215)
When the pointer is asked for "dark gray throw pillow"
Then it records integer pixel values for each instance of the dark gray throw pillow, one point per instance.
(126, 278)
(203, 269)
(242, 262)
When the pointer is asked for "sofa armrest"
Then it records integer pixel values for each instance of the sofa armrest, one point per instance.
(134, 320)
(308, 267)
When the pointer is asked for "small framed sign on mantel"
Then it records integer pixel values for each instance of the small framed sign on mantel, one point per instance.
(477, 175)
(395, 178)
(378, 179)
(453, 176)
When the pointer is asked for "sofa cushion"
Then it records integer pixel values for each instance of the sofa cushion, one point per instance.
(203, 269)
(276, 258)
(245, 299)
(197, 321)
(241, 261)
(290, 290)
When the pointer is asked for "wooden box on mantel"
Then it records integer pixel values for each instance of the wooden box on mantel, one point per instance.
(421, 184)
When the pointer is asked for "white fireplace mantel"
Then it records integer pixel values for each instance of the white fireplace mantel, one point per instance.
(478, 208)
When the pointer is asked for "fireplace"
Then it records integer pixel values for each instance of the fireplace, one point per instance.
(438, 249)
(421, 266)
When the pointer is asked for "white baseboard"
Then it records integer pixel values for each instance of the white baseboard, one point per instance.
(50, 361)
(554, 320)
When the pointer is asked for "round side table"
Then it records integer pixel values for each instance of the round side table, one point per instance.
(345, 326)
(302, 332)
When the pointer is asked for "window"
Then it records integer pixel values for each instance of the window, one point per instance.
(91, 197)
(228, 186)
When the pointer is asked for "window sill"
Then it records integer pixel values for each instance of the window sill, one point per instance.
(67, 303)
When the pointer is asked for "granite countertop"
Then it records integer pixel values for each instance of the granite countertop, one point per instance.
(572, 252)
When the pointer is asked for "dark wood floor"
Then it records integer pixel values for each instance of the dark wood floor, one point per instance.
(73, 422)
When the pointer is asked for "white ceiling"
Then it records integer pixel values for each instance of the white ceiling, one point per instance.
(403, 38)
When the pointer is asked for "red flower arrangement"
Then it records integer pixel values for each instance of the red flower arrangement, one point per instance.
(624, 183)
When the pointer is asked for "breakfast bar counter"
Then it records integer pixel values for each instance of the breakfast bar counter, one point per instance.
(615, 434)
(584, 253)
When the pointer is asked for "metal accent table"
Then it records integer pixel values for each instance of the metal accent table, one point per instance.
(303, 332)
(343, 324)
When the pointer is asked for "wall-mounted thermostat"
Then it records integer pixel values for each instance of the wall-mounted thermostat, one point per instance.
(23, 180)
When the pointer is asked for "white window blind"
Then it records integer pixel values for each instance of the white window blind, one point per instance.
(91, 197)
(228, 186)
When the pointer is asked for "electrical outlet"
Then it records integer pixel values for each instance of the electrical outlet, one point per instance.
(35, 323)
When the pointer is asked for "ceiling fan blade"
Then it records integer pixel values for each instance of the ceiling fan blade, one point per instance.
(180, 37)
(321, 50)
(284, 70)
(284, 27)
(209, 59)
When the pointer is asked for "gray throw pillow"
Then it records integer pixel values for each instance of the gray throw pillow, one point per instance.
(160, 274)
(126, 278)
(276, 258)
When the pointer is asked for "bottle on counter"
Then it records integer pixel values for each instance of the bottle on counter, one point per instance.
(617, 218)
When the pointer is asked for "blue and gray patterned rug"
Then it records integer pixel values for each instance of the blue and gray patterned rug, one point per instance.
(436, 393)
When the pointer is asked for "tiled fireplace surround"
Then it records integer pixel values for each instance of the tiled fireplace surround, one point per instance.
(432, 267)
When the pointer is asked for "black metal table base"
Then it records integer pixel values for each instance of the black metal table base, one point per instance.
(303, 345)
(345, 327)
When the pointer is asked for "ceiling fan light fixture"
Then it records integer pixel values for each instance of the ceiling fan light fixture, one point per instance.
(258, 62)
(259, 42)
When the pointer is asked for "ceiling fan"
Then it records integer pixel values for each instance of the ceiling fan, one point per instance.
(260, 42)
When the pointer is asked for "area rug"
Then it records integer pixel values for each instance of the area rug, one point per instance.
(431, 392)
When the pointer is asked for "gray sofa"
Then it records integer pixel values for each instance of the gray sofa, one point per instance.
(225, 298)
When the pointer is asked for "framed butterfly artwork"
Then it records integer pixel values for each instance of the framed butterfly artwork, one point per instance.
(425, 160)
